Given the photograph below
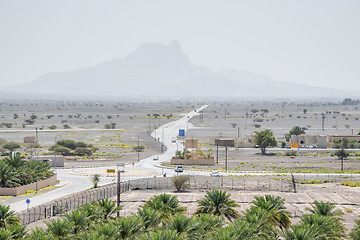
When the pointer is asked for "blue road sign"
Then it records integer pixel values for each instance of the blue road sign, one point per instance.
(181, 132)
(27, 201)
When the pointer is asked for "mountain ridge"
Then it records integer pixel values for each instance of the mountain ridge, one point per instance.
(154, 69)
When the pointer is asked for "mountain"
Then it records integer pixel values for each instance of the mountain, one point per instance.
(164, 71)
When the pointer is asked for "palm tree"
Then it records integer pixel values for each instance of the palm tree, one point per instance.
(127, 227)
(38, 234)
(218, 202)
(7, 217)
(275, 206)
(150, 217)
(325, 209)
(179, 222)
(208, 224)
(95, 179)
(301, 232)
(60, 228)
(166, 204)
(15, 160)
(7, 177)
(255, 224)
(94, 212)
(93, 235)
(327, 227)
(161, 235)
(79, 219)
(17, 231)
(355, 231)
(5, 234)
(107, 231)
(109, 207)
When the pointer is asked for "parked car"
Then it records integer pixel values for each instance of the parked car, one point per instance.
(156, 158)
(215, 174)
(179, 169)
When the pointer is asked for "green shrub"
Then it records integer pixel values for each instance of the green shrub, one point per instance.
(312, 181)
(180, 182)
(291, 153)
(351, 183)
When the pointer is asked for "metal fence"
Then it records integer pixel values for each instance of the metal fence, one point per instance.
(269, 183)
(73, 201)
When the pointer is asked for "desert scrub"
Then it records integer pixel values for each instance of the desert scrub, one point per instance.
(291, 153)
(351, 183)
(312, 181)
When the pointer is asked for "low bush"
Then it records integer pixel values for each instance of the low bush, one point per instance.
(312, 181)
(291, 153)
(180, 182)
(351, 183)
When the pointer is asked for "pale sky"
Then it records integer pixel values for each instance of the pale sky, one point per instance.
(316, 42)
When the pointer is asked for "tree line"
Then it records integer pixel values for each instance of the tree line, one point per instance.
(162, 217)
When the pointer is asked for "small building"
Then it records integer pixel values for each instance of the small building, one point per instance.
(193, 156)
(29, 140)
(310, 141)
(247, 141)
(54, 161)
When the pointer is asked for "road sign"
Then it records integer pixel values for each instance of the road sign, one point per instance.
(181, 132)
(294, 145)
(27, 201)
(110, 170)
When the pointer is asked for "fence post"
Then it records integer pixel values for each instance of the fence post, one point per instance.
(269, 185)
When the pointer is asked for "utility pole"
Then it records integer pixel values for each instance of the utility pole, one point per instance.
(225, 158)
(323, 120)
(37, 162)
(246, 117)
(238, 132)
(118, 192)
(138, 148)
(217, 150)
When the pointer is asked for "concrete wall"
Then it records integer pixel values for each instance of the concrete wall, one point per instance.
(200, 161)
(310, 140)
(53, 161)
(32, 186)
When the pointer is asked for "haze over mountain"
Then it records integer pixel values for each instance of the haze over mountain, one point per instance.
(164, 71)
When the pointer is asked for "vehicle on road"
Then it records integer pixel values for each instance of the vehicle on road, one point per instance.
(173, 140)
(156, 158)
(179, 169)
(215, 174)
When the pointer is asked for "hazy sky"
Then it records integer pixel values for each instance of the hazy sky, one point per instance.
(316, 42)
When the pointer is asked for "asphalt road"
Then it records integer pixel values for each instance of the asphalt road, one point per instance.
(71, 183)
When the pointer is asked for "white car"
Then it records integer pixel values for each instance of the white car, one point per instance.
(156, 158)
(215, 174)
(173, 140)
(179, 169)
